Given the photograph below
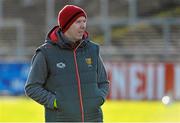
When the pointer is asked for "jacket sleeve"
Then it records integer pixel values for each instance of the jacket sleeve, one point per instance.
(103, 82)
(36, 79)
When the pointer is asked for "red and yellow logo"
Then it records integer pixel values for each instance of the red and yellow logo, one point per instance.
(89, 61)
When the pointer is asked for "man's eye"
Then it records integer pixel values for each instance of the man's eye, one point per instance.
(81, 21)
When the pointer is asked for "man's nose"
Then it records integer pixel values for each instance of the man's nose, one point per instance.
(83, 25)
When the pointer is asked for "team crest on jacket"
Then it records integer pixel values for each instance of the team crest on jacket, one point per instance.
(89, 62)
(61, 65)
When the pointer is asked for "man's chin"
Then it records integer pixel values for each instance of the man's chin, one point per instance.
(79, 38)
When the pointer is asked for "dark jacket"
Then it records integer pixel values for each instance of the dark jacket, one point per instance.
(73, 74)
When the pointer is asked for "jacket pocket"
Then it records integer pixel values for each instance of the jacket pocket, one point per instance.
(102, 98)
(69, 107)
(92, 105)
(59, 99)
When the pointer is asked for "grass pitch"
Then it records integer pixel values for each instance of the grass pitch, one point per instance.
(21, 109)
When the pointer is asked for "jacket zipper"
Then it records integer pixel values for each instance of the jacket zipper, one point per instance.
(79, 84)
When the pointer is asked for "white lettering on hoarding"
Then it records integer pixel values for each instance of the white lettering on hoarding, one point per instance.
(142, 81)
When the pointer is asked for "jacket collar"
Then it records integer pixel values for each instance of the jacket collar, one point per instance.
(55, 36)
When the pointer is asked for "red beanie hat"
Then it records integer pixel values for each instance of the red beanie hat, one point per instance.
(68, 14)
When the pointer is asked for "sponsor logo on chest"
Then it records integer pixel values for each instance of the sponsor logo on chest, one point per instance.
(61, 65)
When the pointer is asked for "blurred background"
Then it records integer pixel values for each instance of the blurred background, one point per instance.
(140, 45)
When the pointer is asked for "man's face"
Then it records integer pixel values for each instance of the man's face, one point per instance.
(76, 30)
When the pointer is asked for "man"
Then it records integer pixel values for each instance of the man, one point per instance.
(67, 75)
